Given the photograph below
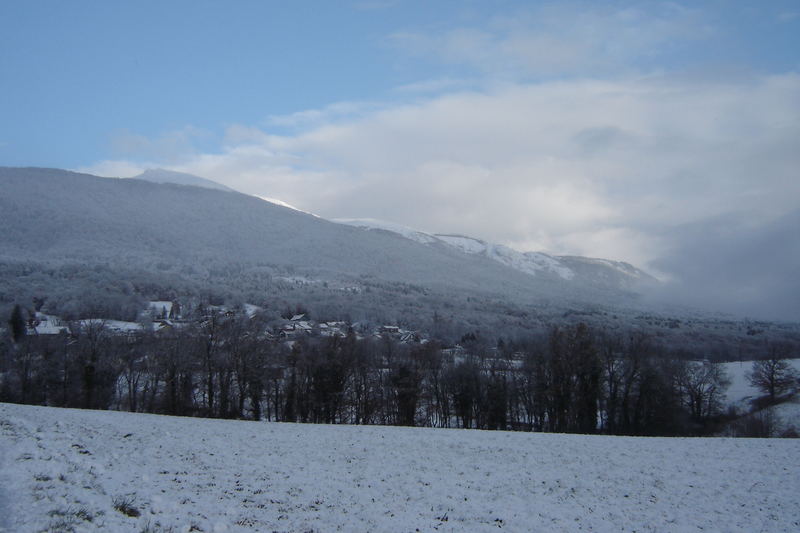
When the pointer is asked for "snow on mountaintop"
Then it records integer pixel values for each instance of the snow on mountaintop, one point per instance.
(63, 469)
(528, 262)
(620, 266)
(283, 204)
(531, 263)
(466, 244)
(372, 223)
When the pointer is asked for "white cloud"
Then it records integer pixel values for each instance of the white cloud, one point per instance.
(115, 169)
(438, 85)
(508, 144)
(315, 117)
(558, 38)
(170, 147)
(584, 167)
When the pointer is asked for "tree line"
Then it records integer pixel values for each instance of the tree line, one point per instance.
(574, 379)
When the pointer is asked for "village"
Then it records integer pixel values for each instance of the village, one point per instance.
(160, 317)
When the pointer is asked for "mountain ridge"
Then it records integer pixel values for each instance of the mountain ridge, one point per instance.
(58, 216)
(530, 262)
(83, 246)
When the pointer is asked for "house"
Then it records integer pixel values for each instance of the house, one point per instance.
(115, 327)
(42, 324)
(333, 329)
(296, 328)
(408, 337)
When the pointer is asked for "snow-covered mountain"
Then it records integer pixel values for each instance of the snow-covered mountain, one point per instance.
(372, 223)
(110, 231)
(602, 272)
(599, 271)
(532, 263)
(90, 219)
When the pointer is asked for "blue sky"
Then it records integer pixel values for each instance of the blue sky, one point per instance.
(76, 74)
(651, 132)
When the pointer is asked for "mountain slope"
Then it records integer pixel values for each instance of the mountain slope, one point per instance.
(579, 270)
(58, 215)
(98, 247)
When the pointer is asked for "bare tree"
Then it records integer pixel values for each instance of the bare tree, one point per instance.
(773, 375)
(703, 385)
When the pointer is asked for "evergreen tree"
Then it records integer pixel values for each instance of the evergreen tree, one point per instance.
(16, 324)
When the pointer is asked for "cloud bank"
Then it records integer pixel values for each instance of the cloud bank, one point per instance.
(570, 139)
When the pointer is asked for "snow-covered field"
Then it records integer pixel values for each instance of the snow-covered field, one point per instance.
(64, 468)
(741, 392)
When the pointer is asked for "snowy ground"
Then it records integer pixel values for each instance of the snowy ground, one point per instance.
(62, 468)
(740, 392)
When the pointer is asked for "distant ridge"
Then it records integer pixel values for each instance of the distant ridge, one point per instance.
(153, 220)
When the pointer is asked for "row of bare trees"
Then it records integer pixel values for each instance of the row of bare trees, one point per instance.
(572, 380)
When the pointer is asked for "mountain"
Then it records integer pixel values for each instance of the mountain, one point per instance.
(53, 214)
(57, 215)
(160, 175)
(80, 246)
(583, 270)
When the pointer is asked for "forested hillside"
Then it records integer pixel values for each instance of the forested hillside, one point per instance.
(79, 246)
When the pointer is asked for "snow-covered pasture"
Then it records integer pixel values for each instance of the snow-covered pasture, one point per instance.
(64, 468)
(740, 395)
(741, 392)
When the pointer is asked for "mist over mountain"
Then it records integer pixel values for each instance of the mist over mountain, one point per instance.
(744, 268)
(579, 270)
(133, 220)
(160, 175)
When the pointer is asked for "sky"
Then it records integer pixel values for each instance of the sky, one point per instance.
(665, 134)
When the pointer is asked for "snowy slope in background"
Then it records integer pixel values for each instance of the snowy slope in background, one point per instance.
(284, 204)
(372, 223)
(531, 263)
(139, 223)
(64, 468)
(600, 271)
